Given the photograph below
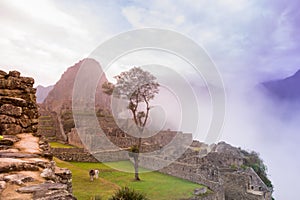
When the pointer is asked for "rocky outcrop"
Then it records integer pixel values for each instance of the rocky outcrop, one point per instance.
(25, 156)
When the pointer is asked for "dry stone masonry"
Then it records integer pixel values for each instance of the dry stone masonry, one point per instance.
(18, 109)
(26, 167)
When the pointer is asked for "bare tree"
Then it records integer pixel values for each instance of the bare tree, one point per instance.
(139, 87)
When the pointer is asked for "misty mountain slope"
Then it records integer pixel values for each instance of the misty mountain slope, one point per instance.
(61, 94)
(287, 89)
(42, 92)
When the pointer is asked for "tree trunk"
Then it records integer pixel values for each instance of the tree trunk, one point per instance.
(136, 161)
(136, 167)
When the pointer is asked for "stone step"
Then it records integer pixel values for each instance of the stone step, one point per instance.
(17, 155)
(18, 179)
(42, 187)
(11, 165)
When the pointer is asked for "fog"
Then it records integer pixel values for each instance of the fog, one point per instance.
(256, 121)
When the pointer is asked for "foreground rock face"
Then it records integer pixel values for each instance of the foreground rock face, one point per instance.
(26, 169)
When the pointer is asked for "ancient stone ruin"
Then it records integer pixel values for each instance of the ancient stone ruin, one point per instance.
(26, 167)
(220, 167)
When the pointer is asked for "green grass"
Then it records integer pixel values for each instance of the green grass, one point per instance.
(155, 185)
(60, 145)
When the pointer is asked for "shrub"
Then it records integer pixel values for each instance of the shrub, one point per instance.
(128, 194)
(233, 167)
(244, 167)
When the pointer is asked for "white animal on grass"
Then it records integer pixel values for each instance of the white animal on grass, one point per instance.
(94, 173)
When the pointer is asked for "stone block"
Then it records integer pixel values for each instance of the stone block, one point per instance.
(16, 101)
(4, 119)
(8, 109)
(2, 185)
(3, 73)
(24, 122)
(28, 81)
(6, 142)
(42, 187)
(200, 191)
(14, 74)
(18, 179)
(11, 129)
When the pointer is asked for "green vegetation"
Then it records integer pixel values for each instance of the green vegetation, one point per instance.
(128, 194)
(233, 167)
(155, 185)
(60, 145)
(253, 160)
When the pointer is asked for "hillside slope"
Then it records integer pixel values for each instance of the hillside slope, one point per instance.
(287, 89)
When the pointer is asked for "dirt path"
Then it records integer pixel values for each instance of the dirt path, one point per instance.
(28, 144)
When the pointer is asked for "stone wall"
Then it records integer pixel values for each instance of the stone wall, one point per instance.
(73, 154)
(244, 185)
(18, 109)
(185, 171)
(82, 155)
(123, 140)
(48, 125)
(26, 167)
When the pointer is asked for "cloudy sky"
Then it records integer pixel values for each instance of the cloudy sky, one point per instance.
(249, 41)
(257, 37)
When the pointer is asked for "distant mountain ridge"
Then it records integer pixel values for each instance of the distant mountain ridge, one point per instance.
(42, 92)
(287, 89)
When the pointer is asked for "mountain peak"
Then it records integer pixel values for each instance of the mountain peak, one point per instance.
(62, 92)
(42, 92)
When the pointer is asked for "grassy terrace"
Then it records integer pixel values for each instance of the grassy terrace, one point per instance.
(155, 185)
